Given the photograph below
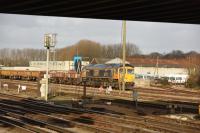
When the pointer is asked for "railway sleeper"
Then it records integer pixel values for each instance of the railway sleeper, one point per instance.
(64, 109)
(139, 124)
(32, 121)
(13, 123)
(121, 129)
(19, 123)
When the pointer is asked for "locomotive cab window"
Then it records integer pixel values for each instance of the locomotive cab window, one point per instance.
(121, 71)
(130, 71)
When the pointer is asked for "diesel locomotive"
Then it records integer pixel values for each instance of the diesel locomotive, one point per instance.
(108, 75)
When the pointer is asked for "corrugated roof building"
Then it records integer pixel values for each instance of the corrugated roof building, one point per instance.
(116, 61)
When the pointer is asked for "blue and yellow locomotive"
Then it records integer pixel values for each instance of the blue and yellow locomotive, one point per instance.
(108, 74)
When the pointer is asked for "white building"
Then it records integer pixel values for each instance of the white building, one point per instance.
(160, 71)
(20, 68)
(149, 70)
(56, 65)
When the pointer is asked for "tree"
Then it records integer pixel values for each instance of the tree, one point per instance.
(175, 54)
(84, 48)
(155, 55)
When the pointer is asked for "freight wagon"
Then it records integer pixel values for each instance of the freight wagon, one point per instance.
(21, 74)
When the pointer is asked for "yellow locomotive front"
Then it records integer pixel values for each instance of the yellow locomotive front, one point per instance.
(129, 77)
(129, 74)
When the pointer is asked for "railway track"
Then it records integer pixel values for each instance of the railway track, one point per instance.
(167, 91)
(98, 126)
(145, 94)
(170, 91)
(64, 119)
(13, 123)
(27, 123)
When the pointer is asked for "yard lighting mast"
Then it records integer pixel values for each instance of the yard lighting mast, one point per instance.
(49, 42)
(124, 53)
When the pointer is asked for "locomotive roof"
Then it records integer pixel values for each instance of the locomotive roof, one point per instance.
(105, 66)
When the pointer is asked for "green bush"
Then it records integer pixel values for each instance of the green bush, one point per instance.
(164, 82)
(193, 81)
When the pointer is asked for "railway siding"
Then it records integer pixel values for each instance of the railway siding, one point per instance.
(32, 110)
(159, 96)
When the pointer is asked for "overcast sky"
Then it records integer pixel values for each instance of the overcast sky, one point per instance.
(21, 31)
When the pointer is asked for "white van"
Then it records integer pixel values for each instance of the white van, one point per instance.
(177, 78)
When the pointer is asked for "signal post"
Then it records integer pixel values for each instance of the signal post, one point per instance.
(49, 42)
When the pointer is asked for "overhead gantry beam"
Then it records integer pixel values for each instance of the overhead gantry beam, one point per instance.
(174, 11)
